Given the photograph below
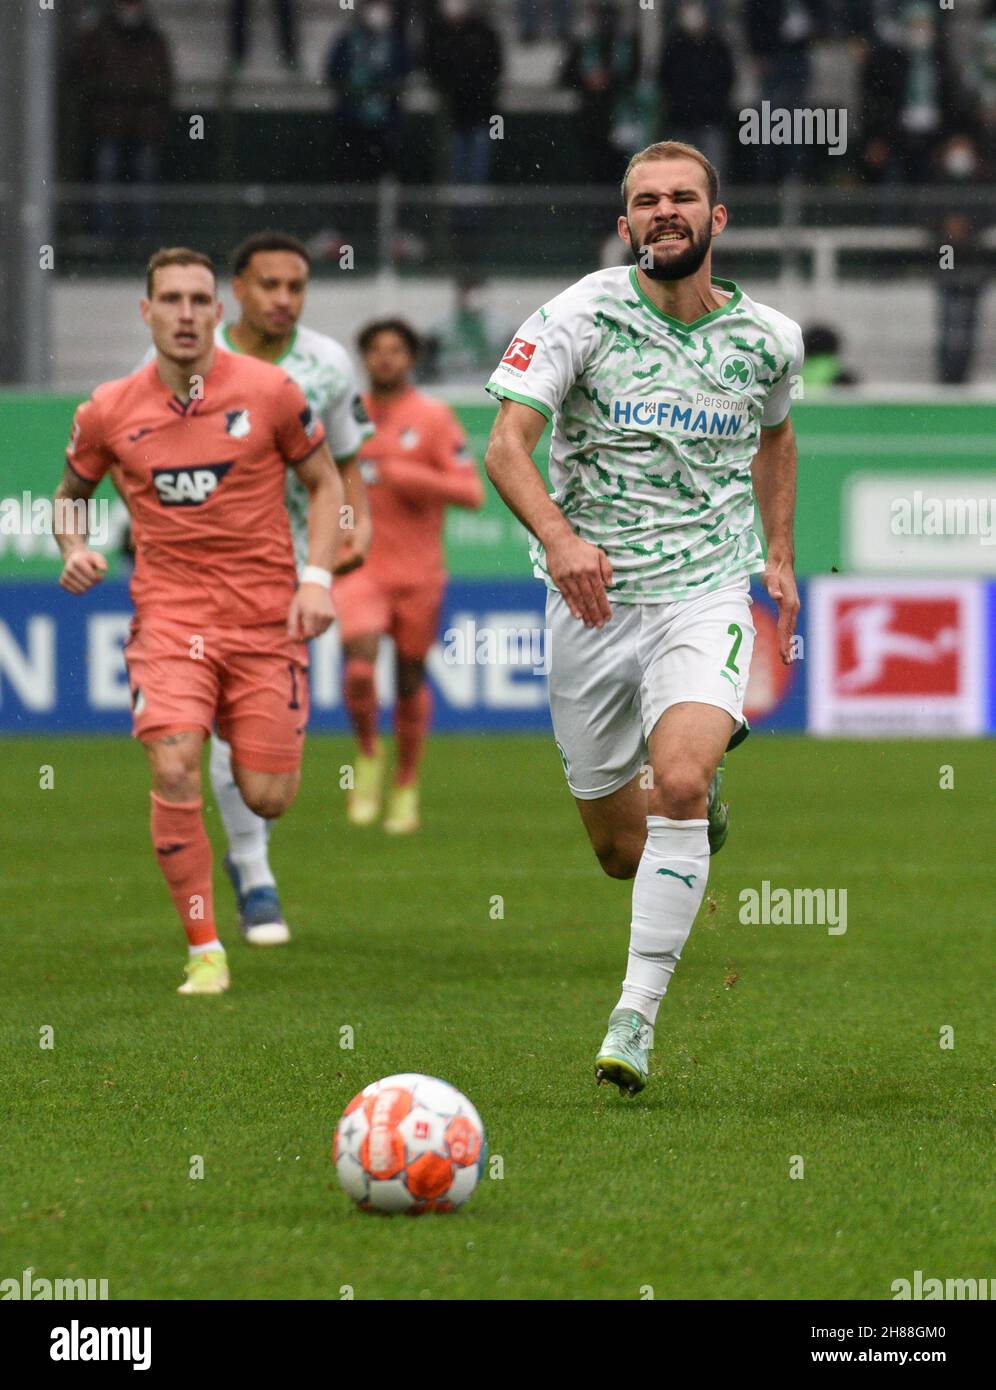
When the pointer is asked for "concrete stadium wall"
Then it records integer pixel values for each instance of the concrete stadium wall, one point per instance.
(888, 329)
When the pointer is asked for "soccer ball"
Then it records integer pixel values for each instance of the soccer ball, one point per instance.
(409, 1143)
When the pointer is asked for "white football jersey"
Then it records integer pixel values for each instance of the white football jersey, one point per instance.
(655, 424)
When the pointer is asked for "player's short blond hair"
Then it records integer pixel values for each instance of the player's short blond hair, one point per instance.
(175, 255)
(673, 149)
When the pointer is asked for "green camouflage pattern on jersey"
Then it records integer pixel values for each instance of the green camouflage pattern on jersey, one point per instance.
(653, 440)
(313, 361)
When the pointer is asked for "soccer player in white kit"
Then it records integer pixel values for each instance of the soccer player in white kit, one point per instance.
(270, 280)
(669, 392)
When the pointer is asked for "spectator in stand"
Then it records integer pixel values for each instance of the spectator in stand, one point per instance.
(717, 10)
(469, 338)
(602, 64)
(696, 80)
(367, 68)
(239, 21)
(922, 105)
(124, 76)
(531, 16)
(779, 36)
(823, 367)
(908, 96)
(985, 86)
(883, 81)
(463, 61)
(962, 273)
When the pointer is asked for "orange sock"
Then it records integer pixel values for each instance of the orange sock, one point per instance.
(184, 854)
(412, 714)
(361, 702)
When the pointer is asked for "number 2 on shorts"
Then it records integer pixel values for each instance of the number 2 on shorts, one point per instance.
(737, 633)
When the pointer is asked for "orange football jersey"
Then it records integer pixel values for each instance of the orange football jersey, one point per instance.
(204, 482)
(415, 465)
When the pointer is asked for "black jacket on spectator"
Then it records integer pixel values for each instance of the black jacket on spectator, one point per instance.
(463, 62)
(764, 20)
(696, 78)
(125, 76)
(883, 91)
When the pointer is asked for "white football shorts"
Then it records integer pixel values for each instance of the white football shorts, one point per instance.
(609, 686)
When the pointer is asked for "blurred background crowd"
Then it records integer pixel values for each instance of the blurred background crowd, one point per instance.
(919, 84)
(480, 143)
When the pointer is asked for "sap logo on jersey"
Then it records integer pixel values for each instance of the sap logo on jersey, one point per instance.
(518, 354)
(188, 487)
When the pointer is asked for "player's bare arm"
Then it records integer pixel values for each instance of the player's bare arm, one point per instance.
(579, 570)
(774, 473)
(311, 611)
(417, 482)
(82, 567)
(354, 545)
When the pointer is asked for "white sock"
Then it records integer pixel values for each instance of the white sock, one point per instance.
(214, 945)
(664, 908)
(247, 833)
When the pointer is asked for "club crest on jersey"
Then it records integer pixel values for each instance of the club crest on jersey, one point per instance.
(737, 372)
(237, 423)
(408, 439)
(518, 354)
(188, 487)
(360, 412)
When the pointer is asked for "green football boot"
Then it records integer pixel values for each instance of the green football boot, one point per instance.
(717, 811)
(206, 974)
(624, 1057)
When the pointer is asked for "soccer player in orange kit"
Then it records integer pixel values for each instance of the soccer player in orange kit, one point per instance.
(416, 464)
(202, 439)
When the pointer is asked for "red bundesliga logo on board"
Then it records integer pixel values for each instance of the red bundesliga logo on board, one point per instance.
(519, 354)
(897, 646)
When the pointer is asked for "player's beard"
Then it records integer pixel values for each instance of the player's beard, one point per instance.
(678, 267)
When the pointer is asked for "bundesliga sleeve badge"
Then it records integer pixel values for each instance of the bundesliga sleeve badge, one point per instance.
(518, 354)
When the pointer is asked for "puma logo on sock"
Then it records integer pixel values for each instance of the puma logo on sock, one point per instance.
(687, 879)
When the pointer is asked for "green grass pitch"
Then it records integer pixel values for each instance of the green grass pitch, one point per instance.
(775, 1041)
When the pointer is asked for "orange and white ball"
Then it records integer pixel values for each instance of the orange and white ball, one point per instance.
(409, 1143)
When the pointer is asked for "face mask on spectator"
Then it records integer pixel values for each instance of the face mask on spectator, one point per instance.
(693, 20)
(378, 18)
(959, 162)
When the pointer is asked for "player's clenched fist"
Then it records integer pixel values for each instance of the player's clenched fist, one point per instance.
(311, 612)
(581, 571)
(81, 570)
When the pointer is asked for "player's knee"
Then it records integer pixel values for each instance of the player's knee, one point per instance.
(679, 791)
(174, 780)
(619, 858)
(359, 678)
(268, 803)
